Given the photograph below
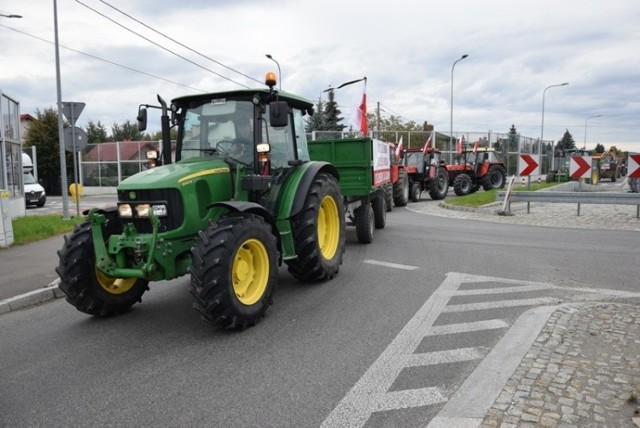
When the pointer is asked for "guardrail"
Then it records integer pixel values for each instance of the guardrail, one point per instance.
(578, 198)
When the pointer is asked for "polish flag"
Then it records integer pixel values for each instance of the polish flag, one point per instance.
(359, 116)
(427, 146)
(459, 146)
(475, 146)
(399, 148)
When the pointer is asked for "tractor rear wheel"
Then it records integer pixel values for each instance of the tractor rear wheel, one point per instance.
(495, 178)
(439, 185)
(86, 287)
(462, 185)
(234, 271)
(401, 189)
(364, 223)
(319, 232)
(379, 206)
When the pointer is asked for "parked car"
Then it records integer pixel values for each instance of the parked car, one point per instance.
(34, 193)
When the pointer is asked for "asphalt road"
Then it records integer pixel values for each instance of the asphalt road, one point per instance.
(325, 354)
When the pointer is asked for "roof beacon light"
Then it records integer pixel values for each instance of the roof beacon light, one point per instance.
(270, 79)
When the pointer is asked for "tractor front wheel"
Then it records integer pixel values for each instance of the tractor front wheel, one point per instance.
(319, 232)
(415, 192)
(401, 189)
(439, 185)
(462, 185)
(234, 271)
(86, 287)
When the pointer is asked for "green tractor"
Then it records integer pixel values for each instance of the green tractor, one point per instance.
(238, 197)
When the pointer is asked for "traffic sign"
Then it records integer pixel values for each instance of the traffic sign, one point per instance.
(529, 165)
(580, 167)
(74, 133)
(634, 166)
(72, 111)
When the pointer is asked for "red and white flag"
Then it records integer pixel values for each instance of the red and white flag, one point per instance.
(427, 146)
(359, 115)
(475, 146)
(399, 148)
(459, 145)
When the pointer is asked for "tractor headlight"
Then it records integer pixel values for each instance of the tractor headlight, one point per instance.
(125, 211)
(141, 210)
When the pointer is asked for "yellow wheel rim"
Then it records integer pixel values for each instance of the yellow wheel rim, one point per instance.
(114, 285)
(250, 272)
(328, 227)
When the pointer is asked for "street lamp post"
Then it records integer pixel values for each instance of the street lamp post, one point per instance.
(279, 72)
(451, 117)
(585, 130)
(63, 159)
(542, 126)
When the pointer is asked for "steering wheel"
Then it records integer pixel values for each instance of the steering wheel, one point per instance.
(224, 146)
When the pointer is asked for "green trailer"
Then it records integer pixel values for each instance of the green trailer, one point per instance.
(364, 170)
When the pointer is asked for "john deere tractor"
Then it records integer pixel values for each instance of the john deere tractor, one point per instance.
(226, 206)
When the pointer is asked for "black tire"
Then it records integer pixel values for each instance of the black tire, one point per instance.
(401, 189)
(379, 206)
(365, 224)
(551, 176)
(495, 178)
(319, 232)
(41, 202)
(462, 185)
(388, 196)
(234, 271)
(88, 289)
(415, 192)
(439, 185)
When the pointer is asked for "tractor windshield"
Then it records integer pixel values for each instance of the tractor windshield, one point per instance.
(219, 129)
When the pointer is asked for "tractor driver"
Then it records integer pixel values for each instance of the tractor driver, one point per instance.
(241, 148)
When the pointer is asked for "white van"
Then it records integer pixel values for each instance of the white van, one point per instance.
(34, 193)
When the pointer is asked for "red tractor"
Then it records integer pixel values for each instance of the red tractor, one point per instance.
(474, 169)
(397, 192)
(427, 172)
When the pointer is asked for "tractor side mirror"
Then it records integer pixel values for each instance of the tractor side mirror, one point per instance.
(278, 114)
(142, 118)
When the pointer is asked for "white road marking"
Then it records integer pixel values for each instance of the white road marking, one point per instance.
(391, 265)
(371, 393)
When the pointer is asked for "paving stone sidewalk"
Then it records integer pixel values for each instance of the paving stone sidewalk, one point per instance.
(582, 371)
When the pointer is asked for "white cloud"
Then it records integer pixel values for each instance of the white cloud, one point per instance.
(406, 50)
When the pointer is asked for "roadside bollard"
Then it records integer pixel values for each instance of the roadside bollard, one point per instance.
(76, 191)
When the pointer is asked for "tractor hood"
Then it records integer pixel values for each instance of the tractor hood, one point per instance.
(174, 175)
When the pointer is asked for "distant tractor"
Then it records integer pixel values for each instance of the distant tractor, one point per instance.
(562, 163)
(427, 172)
(609, 166)
(474, 169)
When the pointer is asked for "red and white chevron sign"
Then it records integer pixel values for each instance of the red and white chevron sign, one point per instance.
(580, 167)
(633, 167)
(528, 165)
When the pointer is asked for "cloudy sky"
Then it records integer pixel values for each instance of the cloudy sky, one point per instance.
(405, 48)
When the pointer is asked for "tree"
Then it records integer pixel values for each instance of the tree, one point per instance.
(126, 131)
(332, 113)
(43, 134)
(96, 132)
(599, 148)
(317, 121)
(567, 142)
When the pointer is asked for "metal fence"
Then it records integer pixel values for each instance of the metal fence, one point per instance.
(105, 165)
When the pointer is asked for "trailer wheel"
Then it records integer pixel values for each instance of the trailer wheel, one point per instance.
(462, 185)
(379, 206)
(234, 271)
(319, 232)
(364, 224)
(495, 178)
(401, 189)
(439, 185)
(86, 287)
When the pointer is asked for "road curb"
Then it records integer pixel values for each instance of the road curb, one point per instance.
(35, 297)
